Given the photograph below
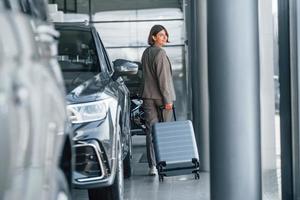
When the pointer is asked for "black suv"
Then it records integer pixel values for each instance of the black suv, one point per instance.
(99, 107)
(36, 153)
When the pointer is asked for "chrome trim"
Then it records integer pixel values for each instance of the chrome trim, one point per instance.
(100, 163)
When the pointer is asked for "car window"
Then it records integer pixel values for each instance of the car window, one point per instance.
(106, 57)
(10, 5)
(77, 57)
(103, 62)
(77, 52)
(39, 9)
(4, 4)
(35, 8)
(25, 7)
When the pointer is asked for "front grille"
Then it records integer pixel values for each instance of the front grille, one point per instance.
(88, 163)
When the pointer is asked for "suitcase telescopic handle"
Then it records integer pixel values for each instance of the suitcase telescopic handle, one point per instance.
(161, 108)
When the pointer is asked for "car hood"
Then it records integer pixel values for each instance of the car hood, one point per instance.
(90, 90)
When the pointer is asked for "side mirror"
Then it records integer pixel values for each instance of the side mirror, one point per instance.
(125, 67)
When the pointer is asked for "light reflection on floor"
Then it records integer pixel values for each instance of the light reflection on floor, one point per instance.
(143, 187)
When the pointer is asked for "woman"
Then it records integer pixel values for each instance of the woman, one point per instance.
(158, 88)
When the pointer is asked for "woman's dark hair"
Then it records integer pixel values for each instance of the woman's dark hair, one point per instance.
(153, 32)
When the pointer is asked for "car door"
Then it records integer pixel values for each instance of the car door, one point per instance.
(124, 102)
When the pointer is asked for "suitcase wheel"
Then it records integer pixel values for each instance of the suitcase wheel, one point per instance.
(197, 176)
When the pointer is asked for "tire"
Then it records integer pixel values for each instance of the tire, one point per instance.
(116, 190)
(62, 190)
(127, 161)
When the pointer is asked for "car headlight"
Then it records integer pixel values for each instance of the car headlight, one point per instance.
(87, 112)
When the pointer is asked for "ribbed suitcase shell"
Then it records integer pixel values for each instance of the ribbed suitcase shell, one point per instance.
(175, 148)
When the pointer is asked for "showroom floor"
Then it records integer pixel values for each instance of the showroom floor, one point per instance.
(143, 187)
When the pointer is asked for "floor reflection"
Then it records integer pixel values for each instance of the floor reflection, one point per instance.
(143, 187)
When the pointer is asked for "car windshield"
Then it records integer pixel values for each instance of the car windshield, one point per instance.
(77, 57)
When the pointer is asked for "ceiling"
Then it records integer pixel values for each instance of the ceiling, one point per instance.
(82, 6)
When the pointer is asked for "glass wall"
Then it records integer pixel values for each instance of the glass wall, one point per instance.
(125, 32)
(277, 97)
(270, 100)
(125, 35)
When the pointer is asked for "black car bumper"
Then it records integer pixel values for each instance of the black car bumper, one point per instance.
(95, 155)
(91, 169)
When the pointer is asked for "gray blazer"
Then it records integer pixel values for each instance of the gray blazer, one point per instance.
(157, 75)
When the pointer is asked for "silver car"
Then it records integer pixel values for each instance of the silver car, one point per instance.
(36, 153)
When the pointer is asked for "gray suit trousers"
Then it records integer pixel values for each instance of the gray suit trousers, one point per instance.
(153, 115)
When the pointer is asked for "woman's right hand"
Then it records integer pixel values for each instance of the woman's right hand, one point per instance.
(168, 106)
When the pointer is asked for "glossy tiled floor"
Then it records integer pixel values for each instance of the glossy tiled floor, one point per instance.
(143, 187)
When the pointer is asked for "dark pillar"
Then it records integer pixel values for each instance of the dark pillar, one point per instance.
(233, 72)
(285, 98)
(90, 10)
(196, 26)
